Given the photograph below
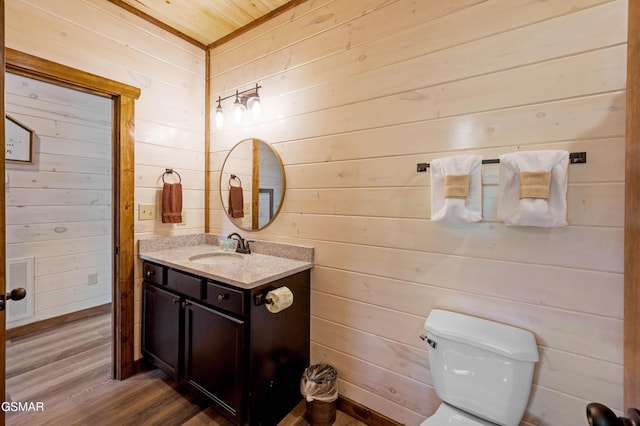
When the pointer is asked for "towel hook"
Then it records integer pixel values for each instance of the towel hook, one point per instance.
(171, 171)
(234, 177)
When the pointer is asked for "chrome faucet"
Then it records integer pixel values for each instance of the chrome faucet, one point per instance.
(243, 245)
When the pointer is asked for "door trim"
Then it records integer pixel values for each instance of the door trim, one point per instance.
(3, 324)
(632, 219)
(123, 97)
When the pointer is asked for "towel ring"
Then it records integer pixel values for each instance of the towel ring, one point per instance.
(234, 177)
(169, 172)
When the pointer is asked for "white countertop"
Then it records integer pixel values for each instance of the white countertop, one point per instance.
(254, 270)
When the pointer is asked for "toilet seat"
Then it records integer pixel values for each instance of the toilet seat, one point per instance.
(447, 415)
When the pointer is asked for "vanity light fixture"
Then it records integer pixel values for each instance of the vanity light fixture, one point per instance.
(246, 99)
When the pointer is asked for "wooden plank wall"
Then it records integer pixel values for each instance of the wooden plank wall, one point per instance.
(355, 94)
(59, 209)
(101, 38)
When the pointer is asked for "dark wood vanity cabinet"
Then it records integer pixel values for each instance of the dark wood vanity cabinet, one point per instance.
(214, 356)
(161, 329)
(223, 343)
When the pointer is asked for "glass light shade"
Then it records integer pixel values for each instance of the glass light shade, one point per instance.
(256, 107)
(219, 118)
(238, 111)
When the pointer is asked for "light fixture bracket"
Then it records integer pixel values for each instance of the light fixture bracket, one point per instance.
(243, 95)
(245, 99)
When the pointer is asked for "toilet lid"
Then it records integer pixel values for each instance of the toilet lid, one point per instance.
(447, 415)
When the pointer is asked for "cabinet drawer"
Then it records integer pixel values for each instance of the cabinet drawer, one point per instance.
(183, 283)
(225, 298)
(153, 273)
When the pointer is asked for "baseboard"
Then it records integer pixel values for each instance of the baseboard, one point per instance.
(364, 414)
(15, 332)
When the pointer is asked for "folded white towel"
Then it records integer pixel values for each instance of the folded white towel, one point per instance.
(523, 203)
(448, 204)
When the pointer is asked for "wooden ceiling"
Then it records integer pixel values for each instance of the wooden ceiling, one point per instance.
(206, 23)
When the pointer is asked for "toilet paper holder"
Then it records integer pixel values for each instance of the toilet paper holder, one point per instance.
(261, 299)
(275, 300)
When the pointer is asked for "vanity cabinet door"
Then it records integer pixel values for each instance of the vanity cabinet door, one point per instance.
(161, 314)
(214, 357)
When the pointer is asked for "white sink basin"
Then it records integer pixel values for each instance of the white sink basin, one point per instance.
(217, 258)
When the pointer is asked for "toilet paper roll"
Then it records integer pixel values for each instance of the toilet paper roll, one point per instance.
(279, 299)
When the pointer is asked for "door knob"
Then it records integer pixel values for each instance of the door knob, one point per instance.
(15, 294)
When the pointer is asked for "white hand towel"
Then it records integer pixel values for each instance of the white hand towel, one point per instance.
(448, 205)
(523, 206)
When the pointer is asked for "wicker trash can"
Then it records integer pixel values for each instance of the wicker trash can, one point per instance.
(319, 386)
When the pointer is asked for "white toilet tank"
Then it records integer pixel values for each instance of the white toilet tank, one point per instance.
(480, 366)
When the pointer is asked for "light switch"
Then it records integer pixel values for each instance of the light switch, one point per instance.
(146, 211)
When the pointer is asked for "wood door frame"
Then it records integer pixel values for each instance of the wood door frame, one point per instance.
(3, 287)
(632, 219)
(123, 97)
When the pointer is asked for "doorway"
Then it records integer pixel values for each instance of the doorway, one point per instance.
(123, 98)
(58, 210)
(58, 205)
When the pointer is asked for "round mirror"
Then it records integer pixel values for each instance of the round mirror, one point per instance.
(252, 184)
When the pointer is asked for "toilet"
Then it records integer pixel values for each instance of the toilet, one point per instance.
(481, 370)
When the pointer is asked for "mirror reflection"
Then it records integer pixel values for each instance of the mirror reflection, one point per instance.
(252, 184)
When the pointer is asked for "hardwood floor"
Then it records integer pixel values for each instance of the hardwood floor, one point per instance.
(68, 369)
